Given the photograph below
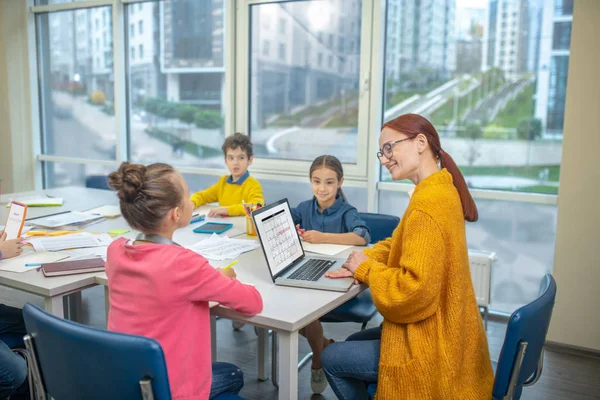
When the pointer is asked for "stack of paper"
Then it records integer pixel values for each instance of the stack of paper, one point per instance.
(84, 253)
(38, 201)
(223, 248)
(75, 241)
(68, 221)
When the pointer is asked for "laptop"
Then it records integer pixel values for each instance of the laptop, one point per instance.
(285, 256)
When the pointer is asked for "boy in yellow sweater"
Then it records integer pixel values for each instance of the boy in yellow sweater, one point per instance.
(232, 189)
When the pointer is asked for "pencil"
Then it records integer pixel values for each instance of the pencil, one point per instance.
(230, 265)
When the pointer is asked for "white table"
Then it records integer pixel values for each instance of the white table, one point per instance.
(56, 290)
(286, 309)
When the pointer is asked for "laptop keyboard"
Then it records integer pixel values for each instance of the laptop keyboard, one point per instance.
(312, 270)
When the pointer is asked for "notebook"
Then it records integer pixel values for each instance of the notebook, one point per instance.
(73, 267)
(39, 201)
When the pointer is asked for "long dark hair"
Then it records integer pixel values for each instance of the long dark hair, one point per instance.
(146, 194)
(412, 125)
(332, 163)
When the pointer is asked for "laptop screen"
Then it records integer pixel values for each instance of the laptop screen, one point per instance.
(278, 235)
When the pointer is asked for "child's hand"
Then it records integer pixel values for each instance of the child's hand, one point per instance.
(218, 212)
(313, 237)
(10, 248)
(229, 272)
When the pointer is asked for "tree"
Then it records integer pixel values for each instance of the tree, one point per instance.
(187, 113)
(471, 131)
(529, 129)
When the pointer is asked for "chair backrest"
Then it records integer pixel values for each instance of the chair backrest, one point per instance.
(381, 225)
(526, 332)
(77, 361)
(97, 182)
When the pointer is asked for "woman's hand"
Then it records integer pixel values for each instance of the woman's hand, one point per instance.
(313, 237)
(218, 212)
(10, 248)
(349, 267)
(340, 273)
(354, 260)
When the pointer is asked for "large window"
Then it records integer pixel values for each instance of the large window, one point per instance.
(177, 82)
(304, 95)
(168, 80)
(76, 86)
(492, 77)
(480, 75)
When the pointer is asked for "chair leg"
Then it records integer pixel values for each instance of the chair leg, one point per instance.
(485, 317)
(305, 360)
(34, 368)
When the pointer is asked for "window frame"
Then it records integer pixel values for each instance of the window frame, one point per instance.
(355, 173)
(365, 173)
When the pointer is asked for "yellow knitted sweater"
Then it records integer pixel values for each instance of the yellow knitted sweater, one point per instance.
(433, 344)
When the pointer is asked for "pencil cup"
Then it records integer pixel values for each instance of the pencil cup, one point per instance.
(250, 227)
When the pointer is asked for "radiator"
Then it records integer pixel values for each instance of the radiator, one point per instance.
(481, 274)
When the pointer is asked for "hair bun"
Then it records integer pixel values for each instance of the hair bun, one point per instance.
(128, 181)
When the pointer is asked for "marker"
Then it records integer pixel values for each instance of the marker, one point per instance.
(230, 265)
(197, 218)
(34, 265)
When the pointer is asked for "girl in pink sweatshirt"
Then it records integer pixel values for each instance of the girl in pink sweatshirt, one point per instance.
(161, 290)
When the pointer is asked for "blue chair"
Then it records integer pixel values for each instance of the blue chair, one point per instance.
(381, 225)
(72, 361)
(97, 182)
(522, 356)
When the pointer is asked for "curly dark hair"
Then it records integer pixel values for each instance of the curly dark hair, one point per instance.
(238, 140)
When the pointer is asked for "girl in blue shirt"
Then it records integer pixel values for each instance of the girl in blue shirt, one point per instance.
(326, 218)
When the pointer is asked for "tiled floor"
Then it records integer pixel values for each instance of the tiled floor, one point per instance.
(564, 376)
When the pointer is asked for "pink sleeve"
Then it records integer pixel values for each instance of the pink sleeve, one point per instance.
(197, 280)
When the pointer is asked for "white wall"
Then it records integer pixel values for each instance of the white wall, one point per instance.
(576, 320)
(16, 155)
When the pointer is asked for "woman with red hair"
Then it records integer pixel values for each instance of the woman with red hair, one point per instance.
(431, 344)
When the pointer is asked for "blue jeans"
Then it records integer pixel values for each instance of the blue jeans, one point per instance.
(226, 378)
(13, 368)
(351, 365)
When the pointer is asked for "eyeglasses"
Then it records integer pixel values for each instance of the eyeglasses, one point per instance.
(387, 148)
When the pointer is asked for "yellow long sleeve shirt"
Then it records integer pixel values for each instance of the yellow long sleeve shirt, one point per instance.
(230, 195)
(433, 344)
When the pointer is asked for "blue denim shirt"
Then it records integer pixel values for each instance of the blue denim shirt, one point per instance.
(341, 217)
